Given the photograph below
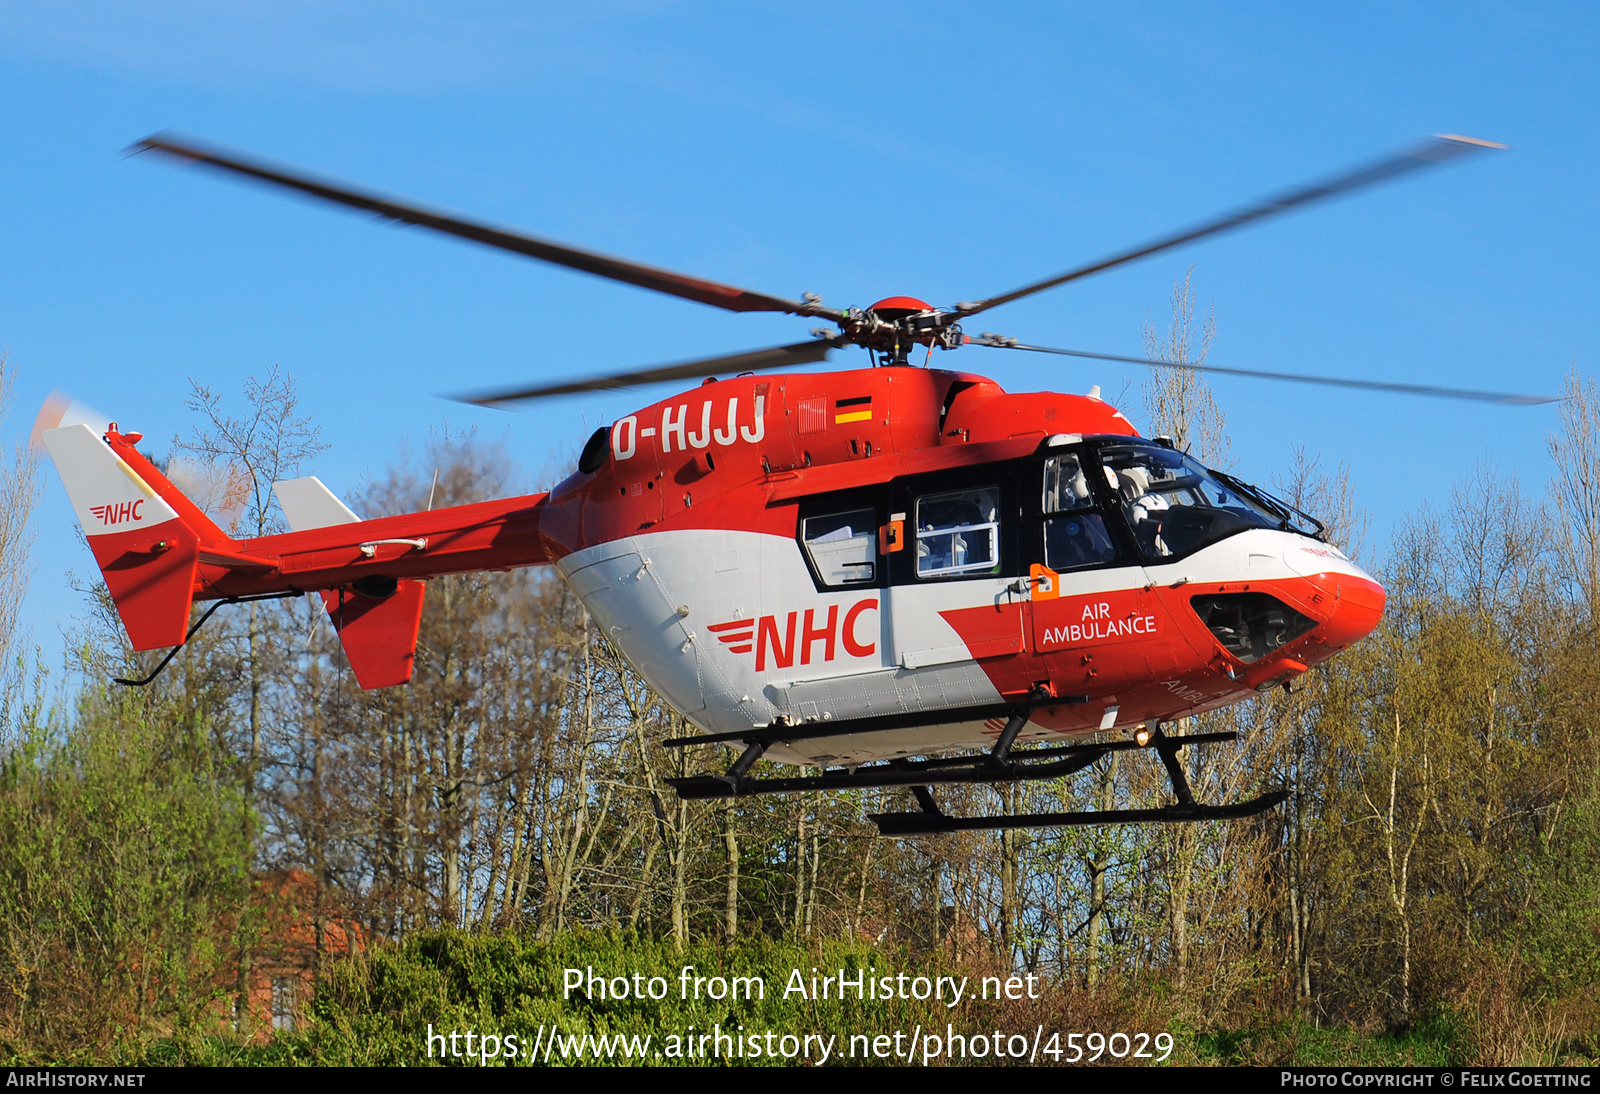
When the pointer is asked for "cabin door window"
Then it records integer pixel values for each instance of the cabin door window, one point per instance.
(843, 546)
(958, 533)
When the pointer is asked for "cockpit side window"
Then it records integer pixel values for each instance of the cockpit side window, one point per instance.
(958, 533)
(1075, 533)
(1066, 486)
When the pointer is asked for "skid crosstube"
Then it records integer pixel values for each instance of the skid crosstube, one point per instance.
(999, 765)
(1036, 763)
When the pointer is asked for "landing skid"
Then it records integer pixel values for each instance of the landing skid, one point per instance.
(935, 821)
(1000, 765)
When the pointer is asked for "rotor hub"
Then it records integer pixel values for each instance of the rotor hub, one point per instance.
(891, 327)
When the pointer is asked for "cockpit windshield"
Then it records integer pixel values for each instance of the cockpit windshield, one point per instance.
(1173, 505)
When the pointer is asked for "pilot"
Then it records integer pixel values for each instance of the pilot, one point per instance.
(1146, 510)
(1066, 486)
(1078, 541)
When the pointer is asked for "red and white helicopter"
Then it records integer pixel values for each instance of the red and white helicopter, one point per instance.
(901, 575)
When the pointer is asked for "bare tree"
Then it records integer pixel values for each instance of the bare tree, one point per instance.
(268, 443)
(1178, 402)
(19, 493)
(1328, 497)
(1575, 448)
(248, 454)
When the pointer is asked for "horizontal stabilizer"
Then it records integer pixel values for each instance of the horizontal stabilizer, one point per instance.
(306, 503)
(233, 560)
(378, 632)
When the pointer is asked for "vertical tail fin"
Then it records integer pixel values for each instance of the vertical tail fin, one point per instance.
(147, 548)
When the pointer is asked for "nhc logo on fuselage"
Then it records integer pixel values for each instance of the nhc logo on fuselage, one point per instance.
(117, 512)
(763, 635)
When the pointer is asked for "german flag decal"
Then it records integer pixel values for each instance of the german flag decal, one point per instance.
(852, 410)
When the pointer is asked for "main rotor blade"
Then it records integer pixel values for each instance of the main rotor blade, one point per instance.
(714, 293)
(800, 353)
(1424, 153)
(1504, 398)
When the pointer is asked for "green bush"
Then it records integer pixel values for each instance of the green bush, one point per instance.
(126, 857)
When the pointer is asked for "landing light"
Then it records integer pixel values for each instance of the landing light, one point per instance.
(1142, 734)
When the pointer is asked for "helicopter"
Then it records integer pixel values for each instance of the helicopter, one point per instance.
(897, 576)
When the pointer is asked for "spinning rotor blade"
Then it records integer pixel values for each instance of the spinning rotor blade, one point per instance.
(800, 353)
(996, 342)
(714, 293)
(1424, 153)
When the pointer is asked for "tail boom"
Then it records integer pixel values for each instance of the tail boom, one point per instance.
(490, 535)
(159, 553)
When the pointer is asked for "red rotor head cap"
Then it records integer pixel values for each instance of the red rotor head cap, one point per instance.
(893, 307)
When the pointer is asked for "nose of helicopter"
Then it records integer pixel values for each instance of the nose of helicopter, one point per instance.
(1357, 606)
(1351, 598)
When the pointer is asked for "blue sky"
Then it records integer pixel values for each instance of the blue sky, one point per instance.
(944, 151)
